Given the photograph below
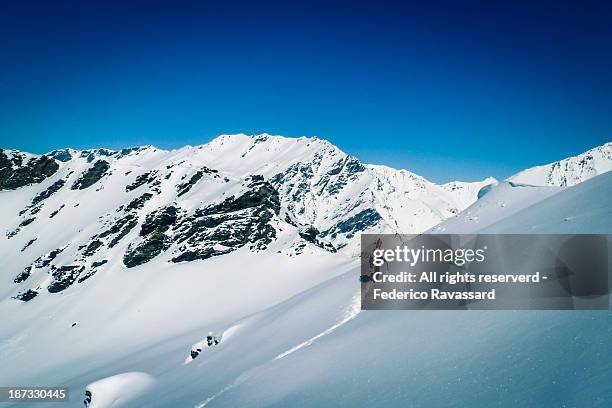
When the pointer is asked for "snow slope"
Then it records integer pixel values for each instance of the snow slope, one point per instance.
(497, 201)
(569, 171)
(585, 208)
(446, 359)
(341, 357)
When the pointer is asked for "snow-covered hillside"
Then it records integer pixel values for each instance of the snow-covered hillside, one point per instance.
(570, 171)
(222, 275)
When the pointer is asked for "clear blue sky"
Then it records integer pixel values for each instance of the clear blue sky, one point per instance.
(449, 90)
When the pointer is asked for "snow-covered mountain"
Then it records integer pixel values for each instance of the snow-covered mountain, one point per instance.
(118, 264)
(76, 213)
(569, 171)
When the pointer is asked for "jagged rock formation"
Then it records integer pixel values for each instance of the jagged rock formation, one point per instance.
(237, 221)
(18, 169)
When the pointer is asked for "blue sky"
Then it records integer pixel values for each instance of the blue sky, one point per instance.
(449, 90)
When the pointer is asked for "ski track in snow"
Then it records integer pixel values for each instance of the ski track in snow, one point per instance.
(215, 396)
(351, 312)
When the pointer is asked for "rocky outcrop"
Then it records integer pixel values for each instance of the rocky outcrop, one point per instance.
(217, 229)
(138, 202)
(311, 234)
(155, 241)
(120, 229)
(237, 221)
(63, 277)
(16, 170)
(48, 192)
(37, 201)
(92, 175)
(357, 223)
(23, 275)
(184, 188)
(27, 295)
(145, 178)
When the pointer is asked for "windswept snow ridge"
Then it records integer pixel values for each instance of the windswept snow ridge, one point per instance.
(570, 171)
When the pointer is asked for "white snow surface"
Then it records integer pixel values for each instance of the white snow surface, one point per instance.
(118, 390)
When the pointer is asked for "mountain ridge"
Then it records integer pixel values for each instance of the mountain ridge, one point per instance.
(569, 171)
(143, 206)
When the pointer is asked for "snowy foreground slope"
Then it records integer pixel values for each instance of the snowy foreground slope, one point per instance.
(316, 349)
(265, 265)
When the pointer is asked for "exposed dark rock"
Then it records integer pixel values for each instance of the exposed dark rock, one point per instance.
(83, 277)
(87, 399)
(237, 221)
(92, 154)
(131, 150)
(120, 229)
(185, 187)
(26, 222)
(63, 155)
(15, 172)
(64, 276)
(30, 242)
(355, 224)
(43, 195)
(23, 275)
(55, 212)
(212, 340)
(93, 247)
(27, 295)
(155, 240)
(138, 202)
(92, 271)
(159, 221)
(97, 264)
(311, 234)
(260, 193)
(45, 261)
(141, 180)
(91, 175)
(153, 245)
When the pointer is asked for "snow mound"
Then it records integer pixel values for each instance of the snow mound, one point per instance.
(118, 390)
